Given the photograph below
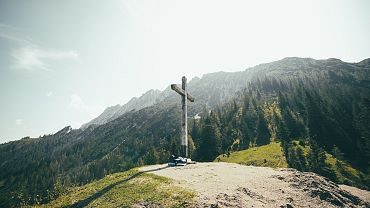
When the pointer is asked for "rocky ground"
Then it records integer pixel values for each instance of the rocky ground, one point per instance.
(233, 185)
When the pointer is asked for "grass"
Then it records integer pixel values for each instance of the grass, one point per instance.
(344, 173)
(115, 191)
(270, 155)
(119, 190)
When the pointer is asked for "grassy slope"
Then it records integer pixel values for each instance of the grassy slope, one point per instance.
(158, 190)
(114, 191)
(344, 173)
(270, 155)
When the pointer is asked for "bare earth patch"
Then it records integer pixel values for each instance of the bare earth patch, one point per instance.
(233, 185)
(363, 194)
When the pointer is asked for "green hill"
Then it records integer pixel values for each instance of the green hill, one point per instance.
(132, 187)
(270, 155)
(125, 189)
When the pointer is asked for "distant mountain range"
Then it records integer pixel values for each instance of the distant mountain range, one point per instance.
(147, 99)
(146, 130)
(215, 88)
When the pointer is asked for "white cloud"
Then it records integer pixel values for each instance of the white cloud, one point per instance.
(33, 57)
(77, 103)
(49, 94)
(29, 54)
(14, 34)
(81, 111)
(19, 122)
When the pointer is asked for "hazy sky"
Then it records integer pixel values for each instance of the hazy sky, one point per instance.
(63, 62)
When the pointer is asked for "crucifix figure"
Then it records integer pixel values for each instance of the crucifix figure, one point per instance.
(184, 119)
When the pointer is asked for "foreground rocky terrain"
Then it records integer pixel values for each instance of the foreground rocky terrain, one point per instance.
(233, 185)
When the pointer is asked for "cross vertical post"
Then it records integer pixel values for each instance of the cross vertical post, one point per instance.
(185, 96)
(184, 120)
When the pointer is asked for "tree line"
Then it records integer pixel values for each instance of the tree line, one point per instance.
(319, 114)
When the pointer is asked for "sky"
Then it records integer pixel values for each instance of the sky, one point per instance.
(63, 62)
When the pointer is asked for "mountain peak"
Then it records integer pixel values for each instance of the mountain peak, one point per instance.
(364, 63)
(65, 130)
(136, 103)
(224, 82)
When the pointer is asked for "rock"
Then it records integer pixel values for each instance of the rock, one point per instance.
(232, 185)
(288, 205)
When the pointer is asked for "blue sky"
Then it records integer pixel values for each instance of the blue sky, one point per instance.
(63, 62)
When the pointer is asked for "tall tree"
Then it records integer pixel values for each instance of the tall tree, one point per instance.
(151, 157)
(317, 161)
(363, 127)
(210, 142)
(263, 133)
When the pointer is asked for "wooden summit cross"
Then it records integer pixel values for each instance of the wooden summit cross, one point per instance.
(184, 119)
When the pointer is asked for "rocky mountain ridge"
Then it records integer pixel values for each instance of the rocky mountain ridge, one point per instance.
(215, 88)
(149, 98)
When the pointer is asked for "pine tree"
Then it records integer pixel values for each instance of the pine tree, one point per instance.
(263, 134)
(362, 121)
(191, 146)
(295, 157)
(316, 161)
(195, 131)
(315, 120)
(210, 142)
(315, 158)
(302, 159)
(245, 140)
(337, 153)
(151, 157)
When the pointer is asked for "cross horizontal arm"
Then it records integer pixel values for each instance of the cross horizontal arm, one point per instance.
(181, 92)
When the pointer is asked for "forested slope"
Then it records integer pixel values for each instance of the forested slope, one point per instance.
(324, 104)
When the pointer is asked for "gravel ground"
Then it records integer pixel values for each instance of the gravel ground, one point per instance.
(364, 195)
(234, 185)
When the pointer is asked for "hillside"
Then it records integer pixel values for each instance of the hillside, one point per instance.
(130, 188)
(232, 185)
(211, 185)
(323, 104)
(272, 155)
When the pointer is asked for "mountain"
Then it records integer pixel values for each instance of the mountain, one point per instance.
(311, 107)
(215, 88)
(147, 99)
(211, 90)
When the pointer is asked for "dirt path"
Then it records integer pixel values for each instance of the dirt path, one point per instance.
(233, 185)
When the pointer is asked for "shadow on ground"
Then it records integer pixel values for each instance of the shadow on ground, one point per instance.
(87, 201)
